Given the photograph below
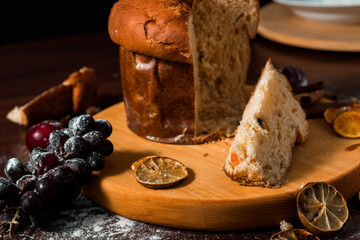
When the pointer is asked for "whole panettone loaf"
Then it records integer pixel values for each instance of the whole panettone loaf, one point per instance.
(184, 65)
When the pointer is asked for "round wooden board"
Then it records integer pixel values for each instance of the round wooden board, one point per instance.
(208, 199)
(279, 24)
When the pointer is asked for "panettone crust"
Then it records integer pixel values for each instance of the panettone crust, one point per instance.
(159, 97)
(157, 28)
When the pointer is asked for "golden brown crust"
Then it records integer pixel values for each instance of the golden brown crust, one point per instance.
(75, 95)
(159, 94)
(246, 182)
(54, 103)
(159, 97)
(157, 32)
(85, 89)
(255, 14)
(157, 28)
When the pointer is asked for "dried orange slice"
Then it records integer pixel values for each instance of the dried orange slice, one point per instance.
(321, 208)
(294, 234)
(159, 172)
(347, 124)
(332, 112)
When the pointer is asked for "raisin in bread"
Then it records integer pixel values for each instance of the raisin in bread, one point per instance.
(272, 123)
(189, 61)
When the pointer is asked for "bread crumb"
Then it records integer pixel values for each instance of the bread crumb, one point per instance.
(284, 225)
(205, 154)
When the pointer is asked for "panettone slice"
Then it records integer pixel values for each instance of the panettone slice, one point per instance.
(85, 89)
(74, 95)
(272, 123)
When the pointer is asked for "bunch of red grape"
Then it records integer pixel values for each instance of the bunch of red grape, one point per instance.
(53, 177)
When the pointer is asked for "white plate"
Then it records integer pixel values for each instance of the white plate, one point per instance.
(332, 11)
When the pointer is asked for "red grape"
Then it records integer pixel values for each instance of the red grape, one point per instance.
(61, 161)
(8, 190)
(62, 175)
(46, 188)
(95, 138)
(30, 202)
(107, 148)
(76, 147)
(14, 169)
(80, 168)
(96, 161)
(38, 135)
(81, 124)
(26, 183)
(104, 127)
(43, 161)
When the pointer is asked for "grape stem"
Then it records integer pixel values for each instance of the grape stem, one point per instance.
(14, 222)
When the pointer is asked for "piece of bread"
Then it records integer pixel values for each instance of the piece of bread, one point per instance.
(74, 95)
(189, 61)
(85, 89)
(272, 122)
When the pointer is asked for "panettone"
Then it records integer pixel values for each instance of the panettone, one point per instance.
(183, 65)
(273, 121)
(73, 96)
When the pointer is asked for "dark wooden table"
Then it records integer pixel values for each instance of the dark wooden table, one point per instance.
(28, 68)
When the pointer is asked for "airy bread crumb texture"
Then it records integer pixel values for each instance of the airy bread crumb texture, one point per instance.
(219, 38)
(272, 122)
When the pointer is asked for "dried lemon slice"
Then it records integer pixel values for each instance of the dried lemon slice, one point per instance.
(294, 234)
(141, 160)
(332, 112)
(321, 208)
(347, 124)
(159, 172)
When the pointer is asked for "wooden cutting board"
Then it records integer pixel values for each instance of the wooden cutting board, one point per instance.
(208, 199)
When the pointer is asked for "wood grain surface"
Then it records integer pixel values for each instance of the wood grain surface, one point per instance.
(28, 68)
(278, 23)
(208, 199)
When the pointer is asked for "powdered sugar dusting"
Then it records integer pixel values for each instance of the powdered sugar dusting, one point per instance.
(89, 221)
(77, 233)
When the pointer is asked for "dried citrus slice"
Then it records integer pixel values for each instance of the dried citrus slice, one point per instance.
(347, 124)
(159, 172)
(141, 160)
(332, 112)
(321, 208)
(294, 234)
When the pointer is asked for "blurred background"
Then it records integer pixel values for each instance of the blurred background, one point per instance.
(25, 20)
